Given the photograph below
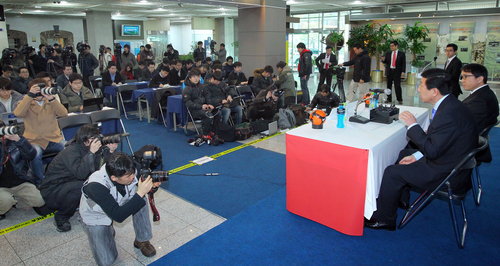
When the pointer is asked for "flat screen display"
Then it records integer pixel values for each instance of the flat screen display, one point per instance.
(131, 30)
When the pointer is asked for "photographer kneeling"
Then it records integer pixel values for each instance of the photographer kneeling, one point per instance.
(110, 195)
(265, 104)
(324, 99)
(62, 187)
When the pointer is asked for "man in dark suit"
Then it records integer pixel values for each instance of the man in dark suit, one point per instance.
(324, 62)
(482, 101)
(396, 68)
(110, 77)
(177, 74)
(452, 134)
(453, 66)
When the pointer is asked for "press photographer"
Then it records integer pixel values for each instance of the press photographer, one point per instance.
(54, 62)
(40, 110)
(87, 62)
(266, 104)
(110, 194)
(62, 186)
(69, 57)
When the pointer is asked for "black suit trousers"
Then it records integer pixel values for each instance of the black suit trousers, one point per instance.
(325, 75)
(394, 76)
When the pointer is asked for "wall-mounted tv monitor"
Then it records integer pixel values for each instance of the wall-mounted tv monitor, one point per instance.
(131, 30)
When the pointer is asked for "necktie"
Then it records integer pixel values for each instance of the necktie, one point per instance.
(447, 63)
(326, 64)
(433, 113)
(393, 59)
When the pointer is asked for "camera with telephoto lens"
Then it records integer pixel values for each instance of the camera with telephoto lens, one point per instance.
(156, 176)
(26, 50)
(80, 47)
(212, 46)
(8, 130)
(116, 138)
(48, 91)
(49, 50)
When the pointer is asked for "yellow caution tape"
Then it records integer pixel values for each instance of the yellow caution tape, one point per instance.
(24, 224)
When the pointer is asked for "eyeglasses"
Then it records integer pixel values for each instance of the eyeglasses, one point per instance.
(462, 77)
(450, 50)
(77, 82)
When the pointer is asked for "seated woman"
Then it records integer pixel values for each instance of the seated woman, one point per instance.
(75, 93)
(127, 72)
(324, 99)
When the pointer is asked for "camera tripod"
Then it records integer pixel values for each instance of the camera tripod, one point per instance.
(340, 83)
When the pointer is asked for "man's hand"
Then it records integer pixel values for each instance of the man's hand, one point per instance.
(329, 63)
(341, 64)
(402, 74)
(31, 62)
(112, 147)
(156, 184)
(81, 108)
(269, 95)
(119, 83)
(224, 101)
(144, 187)
(383, 58)
(48, 97)
(210, 107)
(408, 117)
(229, 98)
(304, 77)
(113, 84)
(408, 160)
(275, 98)
(35, 89)
(308, 109)
(244, 83)
(361, 81)
(95, 145)
(161, 85)
(13, 137)
(50, 61)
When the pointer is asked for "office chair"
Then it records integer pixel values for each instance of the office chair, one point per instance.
(444, 190)
(70, 124)
(121, 101)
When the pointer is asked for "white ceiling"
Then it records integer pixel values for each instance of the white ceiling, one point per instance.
(180, 10)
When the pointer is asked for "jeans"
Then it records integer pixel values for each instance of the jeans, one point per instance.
(305, 90)
(37, 164)
(226, 112)
(102, 241)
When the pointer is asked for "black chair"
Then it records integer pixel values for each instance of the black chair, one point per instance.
(195, 122)
(105, 118)
(476, 184)
(444, 190)
(121, 100)
(70, 124)
(97, 89)
(250, 80)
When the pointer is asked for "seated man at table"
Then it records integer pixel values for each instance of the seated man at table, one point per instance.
(75, 93)
(40, 112)
(149, 72)
(110, 77)
(236, 77)
(139, 70)
(177, 74)
(482, 101)
(324, 99)
(196, 96)
(451, 135)
(265, 105)
(220, 93)
(160, 79)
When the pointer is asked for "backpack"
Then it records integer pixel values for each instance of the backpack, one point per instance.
(300, 113)
(138, 156)
(286, 119)
(243, 131)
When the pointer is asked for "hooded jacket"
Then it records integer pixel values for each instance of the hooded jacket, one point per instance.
(305, 63)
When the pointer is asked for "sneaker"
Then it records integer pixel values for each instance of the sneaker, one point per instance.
(146, 248)
(62, 226)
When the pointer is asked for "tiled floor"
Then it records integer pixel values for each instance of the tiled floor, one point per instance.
(181, 221)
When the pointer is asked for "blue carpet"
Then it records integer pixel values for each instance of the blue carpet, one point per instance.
(267, 234)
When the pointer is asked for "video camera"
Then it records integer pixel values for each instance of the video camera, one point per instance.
(118, 48)
(212, 46)
(26, 50)
(49, 50)
(157, 176)
(81, 46)
(7, 56)
(102, 49)
(116, 138)
(340, 71)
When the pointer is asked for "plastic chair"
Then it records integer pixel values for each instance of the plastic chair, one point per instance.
(476, 184)
(104, 118)
(121, 100)
(444, 190)
(190, 117)
(70, 124)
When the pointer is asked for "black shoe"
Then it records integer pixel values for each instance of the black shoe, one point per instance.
(374, 224)
(2, 216)
(400, 102)
(62, 226)
(404, 205)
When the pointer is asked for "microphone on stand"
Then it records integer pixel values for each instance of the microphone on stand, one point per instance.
(435, 58)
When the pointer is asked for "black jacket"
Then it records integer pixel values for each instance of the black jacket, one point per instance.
(400, 61)
(58, 65)
(328, 102)
(199, 53)
(172, 56)
(75, 162)
(89, 64)
(219, 92)
(305, 63)
(455, 70)
(262, 103)
(40, 64)
(362, 66)
(21, 85)
(21, 152)
(157, 80)
(106, 78)
(138, 73)
(147, 76)
(195, 96)
(261, 83)
(320, 64)
(238, 77)
(175, 79)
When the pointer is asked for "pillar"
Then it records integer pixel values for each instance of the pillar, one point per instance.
(99, 30)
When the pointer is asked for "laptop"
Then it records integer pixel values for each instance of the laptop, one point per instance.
(273, 129)
(91, 105)
(9, 118)
(235, 102)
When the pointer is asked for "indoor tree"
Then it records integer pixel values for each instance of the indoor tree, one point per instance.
(415, 36)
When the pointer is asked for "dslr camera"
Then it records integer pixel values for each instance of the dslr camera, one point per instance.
(279, 92)
(102, 49)
(156, 176)
(8, 130)
(115, 138)
(45, 90)
(212, 46)
(340, 72)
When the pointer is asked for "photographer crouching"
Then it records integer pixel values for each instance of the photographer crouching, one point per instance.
(110, 195)
(62, 187)
(265, 105)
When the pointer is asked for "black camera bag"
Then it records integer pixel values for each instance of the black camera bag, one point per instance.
(150, 147)
(225, 132)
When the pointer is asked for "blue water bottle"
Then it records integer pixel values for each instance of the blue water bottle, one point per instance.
(340, 116)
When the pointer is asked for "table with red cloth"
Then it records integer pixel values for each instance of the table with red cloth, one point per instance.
(334, 174)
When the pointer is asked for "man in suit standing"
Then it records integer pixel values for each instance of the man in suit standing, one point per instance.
(452, 134)
(482, 101)
(324, 62)
(454, 67)
(396, 69)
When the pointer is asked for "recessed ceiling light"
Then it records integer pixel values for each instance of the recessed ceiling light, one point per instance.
(38, 6)
(356, 2)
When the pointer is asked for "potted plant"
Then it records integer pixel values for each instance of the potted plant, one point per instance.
(335, 40)
(415, 35)
(381, 43)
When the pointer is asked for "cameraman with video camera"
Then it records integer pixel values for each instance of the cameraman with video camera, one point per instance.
(62, 187)
(265, 104)
(55, 62)
(88, 62)
(221, 54)
(110, 194)
(40, 110)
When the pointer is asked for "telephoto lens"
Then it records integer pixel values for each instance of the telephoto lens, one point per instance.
(49, 91)
(159, 176)
(9, 130)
